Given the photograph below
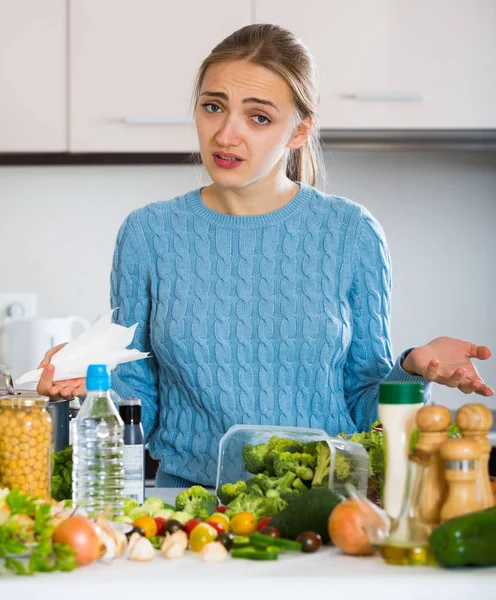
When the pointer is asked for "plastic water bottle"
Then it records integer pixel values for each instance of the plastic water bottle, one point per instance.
(98, 464)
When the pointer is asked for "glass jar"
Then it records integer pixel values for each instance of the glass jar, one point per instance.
(25, 444)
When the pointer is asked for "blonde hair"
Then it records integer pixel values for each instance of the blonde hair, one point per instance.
(281, 52)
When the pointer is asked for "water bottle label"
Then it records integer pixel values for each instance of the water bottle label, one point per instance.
(134, 472)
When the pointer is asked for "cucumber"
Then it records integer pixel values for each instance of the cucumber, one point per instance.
(466, 540)
(307, 512)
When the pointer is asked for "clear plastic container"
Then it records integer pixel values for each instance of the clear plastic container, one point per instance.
(230, 466)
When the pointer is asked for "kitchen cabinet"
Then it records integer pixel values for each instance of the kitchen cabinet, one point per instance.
(133, 65)
(33, 76)
(398, 64)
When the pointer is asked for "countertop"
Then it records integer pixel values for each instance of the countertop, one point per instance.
(326, 574)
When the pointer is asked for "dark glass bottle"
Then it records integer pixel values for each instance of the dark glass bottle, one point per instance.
(134, 449)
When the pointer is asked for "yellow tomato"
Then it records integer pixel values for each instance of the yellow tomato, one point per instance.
(243, 523)
(201, 535)
(147, 524)
(221, 519)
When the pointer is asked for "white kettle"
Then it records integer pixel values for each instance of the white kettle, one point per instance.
(24, 342)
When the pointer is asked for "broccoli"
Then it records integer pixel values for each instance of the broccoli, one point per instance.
(197, 501)
(299, 463)
(249, 502)
(299, 485)
(341, 468)
(323, 457)
(254, 457)
(260, 481)
(227, 492)
(276, 447)
(275, 503)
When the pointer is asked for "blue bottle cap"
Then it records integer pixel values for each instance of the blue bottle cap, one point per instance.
(98, 378)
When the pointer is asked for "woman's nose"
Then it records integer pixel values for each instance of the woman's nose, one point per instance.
(228, 134)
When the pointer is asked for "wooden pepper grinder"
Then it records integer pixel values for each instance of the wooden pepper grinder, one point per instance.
(433, 423)
(461, 470)
(475, 421)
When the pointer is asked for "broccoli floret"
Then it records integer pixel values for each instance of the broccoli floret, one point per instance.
(323, 456)
(197, 501)
(311, 448)
(341, 468)
(261, 481)
(254, 456)
(299, 485)
(299, 463)
(227, 492)
(276, 447)
(249, 502)
(275, 503)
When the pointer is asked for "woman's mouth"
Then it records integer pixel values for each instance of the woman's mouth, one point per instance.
(227, 161)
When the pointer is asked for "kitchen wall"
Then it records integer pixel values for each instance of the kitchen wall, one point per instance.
(438, 209)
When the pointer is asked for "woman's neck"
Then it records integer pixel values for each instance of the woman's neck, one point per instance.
(257, 198)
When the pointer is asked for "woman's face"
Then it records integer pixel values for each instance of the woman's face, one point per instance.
(246, 121)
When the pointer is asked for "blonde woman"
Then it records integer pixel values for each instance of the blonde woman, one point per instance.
(262, 299)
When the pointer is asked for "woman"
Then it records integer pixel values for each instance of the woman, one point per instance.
(261, 299)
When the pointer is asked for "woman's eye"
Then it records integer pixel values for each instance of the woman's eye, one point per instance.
(265, 120)
(212, 108)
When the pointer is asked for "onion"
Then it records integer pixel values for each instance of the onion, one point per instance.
(346, 529)
(81, 535)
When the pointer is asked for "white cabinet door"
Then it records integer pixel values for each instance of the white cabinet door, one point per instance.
(133, 65)
(398, 64)
(33, 76)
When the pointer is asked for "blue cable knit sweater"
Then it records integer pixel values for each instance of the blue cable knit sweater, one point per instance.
(281, 318)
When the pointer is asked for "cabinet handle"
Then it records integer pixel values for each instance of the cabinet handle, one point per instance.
(155, 121)
(385, 97)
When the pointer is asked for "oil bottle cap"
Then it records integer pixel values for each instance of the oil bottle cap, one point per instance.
(401, 393)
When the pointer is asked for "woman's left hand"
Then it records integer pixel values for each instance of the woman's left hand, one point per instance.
(447, 361)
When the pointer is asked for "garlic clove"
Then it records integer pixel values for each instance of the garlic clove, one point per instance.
(214, 552)
(110, 548)
(173, 551)
(141, 549)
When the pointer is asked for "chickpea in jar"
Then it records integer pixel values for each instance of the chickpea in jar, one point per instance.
(25, 446)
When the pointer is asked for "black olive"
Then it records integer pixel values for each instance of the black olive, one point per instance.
(227, 540)
(171, 526)
(310, 541)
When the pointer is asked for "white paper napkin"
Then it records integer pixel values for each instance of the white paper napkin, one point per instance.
(103, 343)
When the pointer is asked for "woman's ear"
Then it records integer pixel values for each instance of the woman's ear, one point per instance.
(301, 134)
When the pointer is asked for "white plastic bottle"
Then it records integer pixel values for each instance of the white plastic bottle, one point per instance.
(398, 406)
(98, 463)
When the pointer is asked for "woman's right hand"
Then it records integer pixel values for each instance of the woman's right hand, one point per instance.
(69, 388)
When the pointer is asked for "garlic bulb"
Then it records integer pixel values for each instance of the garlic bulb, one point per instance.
(213, 553)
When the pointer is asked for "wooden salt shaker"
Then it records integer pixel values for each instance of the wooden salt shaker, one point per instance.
(433, 423)
(461, 470)
(475, 421)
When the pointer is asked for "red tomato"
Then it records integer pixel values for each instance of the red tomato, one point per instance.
(160, 525)
(217, 526)
(191, 524)
(221, 508)
(263, 523)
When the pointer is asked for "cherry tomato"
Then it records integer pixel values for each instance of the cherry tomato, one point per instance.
(243, 523)
(147, 524)
(172, 525)
(217, 526)
(310, 541)
(220, 509)
(160, 525)
(220, 518)
(201, 535)
(191, 524)
(263, 522)
(271, 531)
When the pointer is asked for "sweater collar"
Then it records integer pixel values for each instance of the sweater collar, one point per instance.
(303, 195)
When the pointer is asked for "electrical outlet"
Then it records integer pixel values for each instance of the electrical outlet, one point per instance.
(21, 306)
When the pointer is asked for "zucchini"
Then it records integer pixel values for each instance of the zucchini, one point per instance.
(307, 512)
(466, 540)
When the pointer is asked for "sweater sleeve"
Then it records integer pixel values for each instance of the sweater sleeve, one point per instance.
(130, 294)
(369, 360)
